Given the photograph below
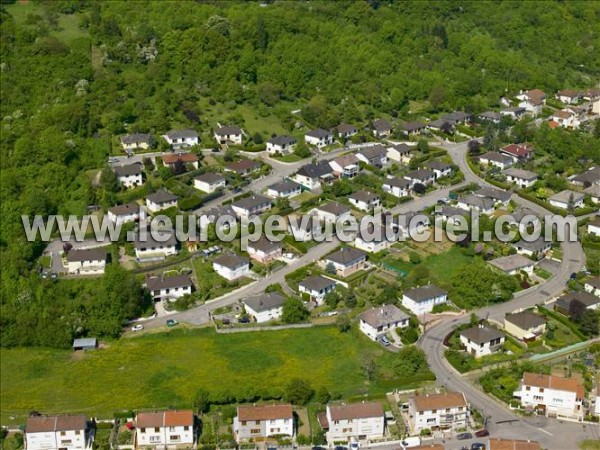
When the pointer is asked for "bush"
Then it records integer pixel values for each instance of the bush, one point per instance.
(302, 439)
(193, 202)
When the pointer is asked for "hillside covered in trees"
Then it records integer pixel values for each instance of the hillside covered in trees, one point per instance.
(75, 74)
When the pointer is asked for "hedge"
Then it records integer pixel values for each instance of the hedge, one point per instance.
(564, 320)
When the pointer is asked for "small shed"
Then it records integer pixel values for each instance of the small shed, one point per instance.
(85, 344)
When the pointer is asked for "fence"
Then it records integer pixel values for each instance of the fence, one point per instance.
(263, 328)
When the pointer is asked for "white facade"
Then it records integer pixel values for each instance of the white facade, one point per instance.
(234, 138)
(380, 320)
(439, 411)
(152, 250)
(319, 141)
(363, 205)
(130, 181)
(209, 187)
(355, 426)
(155, 207)
(478, 350)
(57, 433)
(259, 422)
(165, 429)
(179, 140)
(424, 306)
(372, 245)
(265, 315)
(284, 194)
(92, 267)
(316, 291)
(594, 228)
(593, 287)
(126, 213)
(231, 273)
(397, 187)
(280, 147)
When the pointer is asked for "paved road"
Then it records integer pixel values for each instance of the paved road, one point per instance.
(551, 434)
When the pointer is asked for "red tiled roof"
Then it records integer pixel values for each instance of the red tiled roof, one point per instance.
(264, 412)
(551, 382)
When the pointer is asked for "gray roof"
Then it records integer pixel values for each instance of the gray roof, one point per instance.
(316, 283)
(127, 208)
(210, 177)
(452, 211)
(319, 133)
(265, 245)
(594, 282)
(511, 262)
(565, 196)
(252, 202)
(533, 246)
(178, 134)
(285, 186)
(364, 196)
(265, 302)
(162, 197)
(497, 157)
(374, 151)
(90, 254)
(167, 239)
(381, 125)
(495, 194)
(424, 293)
(457, 116)
(85, 342)
(521, 212)
(439, 165)
(525, 320)
(135, 138)
(226, 131)
(282, 140)
(490, 115)
(475, 201)
(521, 173)
(156, 283)
(315, 170)
(439, 123)
(419, 175)
(335, 208)
(412, 126)
(383, 315)
(396, 182)
(346, 128)
(130, 169)
(231, 261)
(589, 176)
(593, 191)
(481, 334)
(346, 256)
(403, 149)
(585, 298)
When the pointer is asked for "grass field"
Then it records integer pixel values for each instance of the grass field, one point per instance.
(446, 264)
(166, 370)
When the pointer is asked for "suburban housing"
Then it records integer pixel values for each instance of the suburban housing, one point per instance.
(353, 422)
(65, 432)
(264, 307)
(90, 261)
(438, 411)
(379, 320)
(165, 429)
(481, 340)
(421, 300)
(260, 422)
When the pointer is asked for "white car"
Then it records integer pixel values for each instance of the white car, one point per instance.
(139, 327)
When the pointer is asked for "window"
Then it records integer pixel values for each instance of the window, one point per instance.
(243, 423)
(154, 438)
(77, 432)
(171, 428)
(432, 420)
(174, 437)
(186, 428)
(143, 430)
(255, 431)
(156, 429)
(538, 397)
(557, 400)
(433, 411)
(527, 388)
(447, 410)
(541, 390)
(62, 433)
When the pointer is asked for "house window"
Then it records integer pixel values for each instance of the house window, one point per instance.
(243, 423)
(77, 432)
(171, 428)
(541, 390)
(433, 411)
(538, 397)
(154, 438)
(432, 420)
(143, 430)
(186, 428)
(255, 431)
(62, 433)
(156, 429)
(527, 388)
(174, 437)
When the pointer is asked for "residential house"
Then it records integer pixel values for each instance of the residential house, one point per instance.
(345, 166)
(251, 206)
(441, 125)
(63, 432)
(165, 429)
(591, 95)
(187, 158)
(319, 138)
(573, 304)
(536, 249)
(210, 182)
(500, 197)
(314, 175)
(533, 101)
(411, 223)
(129, 176)
(452, 214)
(511, 444)
(382, 319)
(375, 155)
(90, 261)
(440, 169)
(284, 189)
(377, 239)
(590, 177)
(412, 128)
(567, 199)
(481, 340)
(496, 159)
(346, 131)
(264, 251)
(518, 152)
(400, 153)
(398, 187)
(421, 300)
(169, 288)
(458, 117)
(129, 212)
(522, 178)
(243, 168)
(568, 96)
(525, 325)
(264, 307)
(304, 228)
(155, 246)
(258, 422)
(594, 193)
(523, 218)
(552, 396)
(179, 139)
(484, 205)
(231, 266)
(447, 411)
(514, 113)
(490, 116)
(345, 261)
(136, 141)
(160, 201)
(354, 422)
(364, 201)
(332, 212)
(565, 118)
(420, 176)
(513, 264)
(281, 144)
(229, 135)
(597, 401)
(593, 226)
(381, 128)
(317, 287)
(592, 286)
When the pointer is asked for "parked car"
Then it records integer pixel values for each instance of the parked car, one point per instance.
(385, 341)
(477, 446)
(340, 447)
(244, 320)
(482, 433)
(172, 323)
(138, 327)
(442, 201)
(464, 436)
(353, 445)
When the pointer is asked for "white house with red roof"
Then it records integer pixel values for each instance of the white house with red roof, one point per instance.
(165, 429)
(518, 152)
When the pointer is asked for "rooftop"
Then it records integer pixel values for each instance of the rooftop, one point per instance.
(282, 140)
(511, 262)
(42, 424)
(124, 210)
(383, 315)
(318, 133)
(161, 197)
(335, 208)
(316, 282)
(228, 130)
(438, 401)
(130, 169)
(355, 411)
(181, 134)
(254, 201)
(525, 320)
(512, 444)
(210, 177)
(172, 158)
(156, 283)
(521, 173)
(481, 334)
(90, 254)
(242, 166)
(552, 382)
(566, 196)
(265, 301)
(346, 256)
(264, 412)
(231, 261)
(424, 293)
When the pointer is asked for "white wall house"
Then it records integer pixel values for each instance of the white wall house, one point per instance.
(129, 212)
(364, 201)
(264, 251)
(496, 159)
(264, 307)
(259, 422)
(169, 288)
(378, 239)
(210, 182)
(251, 206)
(345, 261)
(552, 396)
(354, 422)
(422, 176)
(566, 198)
(304, 228)
(148, 249)
(375, 155)
(319, 138)
(332, 212)
(129, 176)
(179, 139)
(281, 144)
(525, 325)
(533, 101)
(231, 267)
(284, 189)
(592, 286)
(312, 176)
(64, 432)
(379, 320)
(593, 227)
(400, 153)
(136, 141)
(233, 135)
(345, 166)
(86, 262)
(421, 300)
(522, 178)
(160, 201)
(481, 340)
(165, 429)
(317, 287)
(398, 187)
(448, 411)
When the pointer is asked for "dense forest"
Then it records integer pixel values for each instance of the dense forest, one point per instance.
(75, 74)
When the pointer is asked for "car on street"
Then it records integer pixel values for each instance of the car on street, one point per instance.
(477, 446)
(172, 323)
(138, 327)
(442, 201)
(482, 433)
(340, 447)
(464, 436)
(353, 445)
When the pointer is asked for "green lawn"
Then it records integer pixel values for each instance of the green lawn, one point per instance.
(212, 285)
(166, 369)
(444, 265)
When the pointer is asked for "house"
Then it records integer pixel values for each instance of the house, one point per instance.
(525, 325)
(364, 201)
(165, 429)
(518, 152)
(500, 197)
(522, 178)
(129, 176)
(187, 158)
(411, 223)
(441, 125)
(251, 206)
(353, 422)
(243, 168)
(136, 141)
(64, 432)
(490, 116)
(379, 320)
(496, 159)
(421, 300)
(573, 304)
(129, 212)
(452, 214)
(514, 113)
(231, 266)
(398, 187)
(594, 193)
(597, 401)
(229, 135)
(484, 205)
(169, 288)
(210, 182)
(304, 228)
(381, 128)
(317, 287)
(440, 169)
(400, 153)
(258, 422)
(379, 238)
(593, 226)
(345, 130)
(285, 189)
(533, 101)
(345, 261)
(568, 96)
(481, 340)
(264, 307)
(150, 248)
(264, 251)
(375, 155)
(179, 139)
(567, 199)
(84, 344)
(512, 444)
(536, 249)
(523, 218)
(281, 144)
(345, 166)
(160, 201)
(313, 175)
(420, 176)
(513, 264)
(447, 411)
(565, 118)
(319, 138)
(412, 128)
(552, 396)
(591, 94)
(590, 177)
(90, 261)
(332, 212)
(592, 286)
(458, 117)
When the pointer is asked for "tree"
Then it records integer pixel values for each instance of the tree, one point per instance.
(283, 204)
(108, 179)
(323, 396)
(148, 165)
(201, 401)
(293, 311)
(298, 391)
(370, 369)
(343, 323)
(257, 138)
(474, 147)
(301, 150)
(350, 299)
(589, 322)
(178, 168)
(330, 268)
(419, 188)
(332, 299)
(423, 145)
(447, 128)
